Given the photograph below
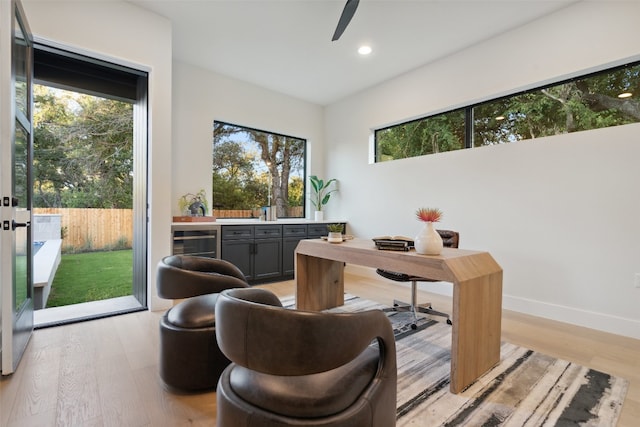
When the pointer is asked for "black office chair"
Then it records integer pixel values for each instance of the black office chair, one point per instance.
(450, 239)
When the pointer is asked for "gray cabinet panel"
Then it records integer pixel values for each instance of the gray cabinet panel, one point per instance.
(292, 233)
(266, 252)
(294, 230)
(288, 256)
(255, 249)
(267, 259)
(237, 232)
(239, 253)
(317, 230)
(267, 231)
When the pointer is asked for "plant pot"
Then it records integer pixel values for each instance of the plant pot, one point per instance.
(334, 237)
(428, 241)
(319, 216)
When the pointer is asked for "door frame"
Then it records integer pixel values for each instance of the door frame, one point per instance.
(140, 151)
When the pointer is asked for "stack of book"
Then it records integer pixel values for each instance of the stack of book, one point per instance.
(393, 243)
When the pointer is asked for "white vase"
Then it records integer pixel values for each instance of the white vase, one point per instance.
(428, 241)
(319, 216)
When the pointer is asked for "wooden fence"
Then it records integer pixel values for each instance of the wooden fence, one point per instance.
(238, 213)
(294, 211)
(93, 229)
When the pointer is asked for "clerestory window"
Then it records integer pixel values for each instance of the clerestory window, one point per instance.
(599, 100)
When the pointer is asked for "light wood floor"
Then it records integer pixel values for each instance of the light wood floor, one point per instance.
(105, 372)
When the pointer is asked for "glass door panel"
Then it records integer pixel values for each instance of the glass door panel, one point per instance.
(16, 288)
(22, 275)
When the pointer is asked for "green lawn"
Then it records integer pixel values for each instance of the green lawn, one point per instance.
(20, 280)
(92, 276)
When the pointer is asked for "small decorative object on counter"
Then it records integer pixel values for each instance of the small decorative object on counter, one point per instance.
(197, 208)
(335, 233)
(428, 241)
(269, 214)
(193, 208)
(193, 204)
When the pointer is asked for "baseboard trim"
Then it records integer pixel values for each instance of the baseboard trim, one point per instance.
(561, 313)
(589, 319)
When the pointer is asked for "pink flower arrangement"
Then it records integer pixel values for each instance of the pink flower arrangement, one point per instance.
(429, 214)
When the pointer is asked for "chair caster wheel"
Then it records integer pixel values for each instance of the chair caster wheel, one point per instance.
(449, 322)
(414, 326)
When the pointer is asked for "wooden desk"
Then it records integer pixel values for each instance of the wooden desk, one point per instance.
(477, 293)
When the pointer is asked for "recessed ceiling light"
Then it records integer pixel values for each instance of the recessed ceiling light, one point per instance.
(625, 95)
(364, 50)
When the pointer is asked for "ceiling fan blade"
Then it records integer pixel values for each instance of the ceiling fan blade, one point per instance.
(347, 13)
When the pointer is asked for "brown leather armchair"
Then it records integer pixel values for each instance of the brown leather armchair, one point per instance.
(303, 368)
(189, 355)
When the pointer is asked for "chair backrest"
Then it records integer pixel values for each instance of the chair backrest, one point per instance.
(185, 276)
(254, 331)
(450, 238)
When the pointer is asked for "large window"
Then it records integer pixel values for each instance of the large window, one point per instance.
(607, 98)
(253, 169)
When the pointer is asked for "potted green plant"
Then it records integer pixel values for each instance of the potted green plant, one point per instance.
(335, 233)
(321, 194)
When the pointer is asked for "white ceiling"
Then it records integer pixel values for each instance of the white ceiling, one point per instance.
(285, 45)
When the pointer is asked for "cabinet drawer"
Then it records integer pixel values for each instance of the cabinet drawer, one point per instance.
(317, 230)
(297, 230)
(267, 231)
(237, 232)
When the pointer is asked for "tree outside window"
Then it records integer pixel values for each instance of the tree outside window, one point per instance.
(253, 169)
(83, 151)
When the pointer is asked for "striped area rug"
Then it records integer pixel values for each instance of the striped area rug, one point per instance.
(526, 388)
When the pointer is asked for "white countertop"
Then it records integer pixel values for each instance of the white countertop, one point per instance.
(256, 221)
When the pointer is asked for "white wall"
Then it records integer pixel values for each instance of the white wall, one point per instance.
(200, 97)
(559, 214)
(112, 31)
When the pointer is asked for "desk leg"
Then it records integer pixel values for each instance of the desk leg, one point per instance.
(319, 283)
(477, 316)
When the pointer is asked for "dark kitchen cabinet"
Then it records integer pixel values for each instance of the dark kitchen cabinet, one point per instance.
(255, 249)
(266, 252)
(292, 234)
